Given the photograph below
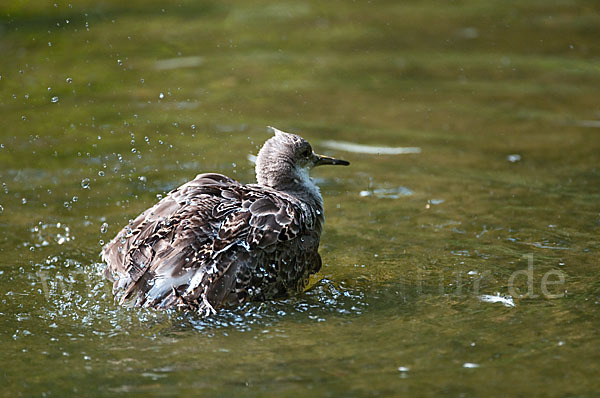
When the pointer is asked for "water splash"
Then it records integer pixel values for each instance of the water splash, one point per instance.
(324, 300)
(45, 233)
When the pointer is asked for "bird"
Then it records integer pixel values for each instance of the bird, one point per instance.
(216, 243)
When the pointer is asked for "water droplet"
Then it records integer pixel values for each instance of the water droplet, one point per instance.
(54, 100)
(101, 242)
(161, 96)
(85, 183)
(1, 209)
(24, 201)
(104, 228)
(75, 198)
(142, 81)
(69, 80)
(159, 196)
(120, 62)
(101, 173)
(133, 150)
(49, 44)
(67, 204)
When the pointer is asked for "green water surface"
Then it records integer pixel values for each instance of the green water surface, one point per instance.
(107, 105)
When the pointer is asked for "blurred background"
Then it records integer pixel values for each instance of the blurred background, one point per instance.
(464, 266)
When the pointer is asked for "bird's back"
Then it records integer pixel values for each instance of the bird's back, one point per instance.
(214, 242)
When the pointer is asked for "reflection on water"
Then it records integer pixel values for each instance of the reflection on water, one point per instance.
(507, 301)
(467, 268)
(369, 149)
(390, 193)
(181, 62)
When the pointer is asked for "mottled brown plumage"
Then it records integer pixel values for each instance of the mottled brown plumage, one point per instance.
(214, 242)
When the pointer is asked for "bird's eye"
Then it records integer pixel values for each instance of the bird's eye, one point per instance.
(306, 153)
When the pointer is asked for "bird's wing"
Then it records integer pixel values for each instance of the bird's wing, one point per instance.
(167, 231)
(190, 246)
(274, 217)
(252, 226)
(284, 239)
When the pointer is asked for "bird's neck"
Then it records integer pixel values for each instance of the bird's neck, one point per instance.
(295, 182)
(308, 193)
(305, 189)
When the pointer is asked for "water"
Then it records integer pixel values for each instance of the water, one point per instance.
(468, 268)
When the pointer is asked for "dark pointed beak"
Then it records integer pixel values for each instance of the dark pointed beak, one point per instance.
(322, 160)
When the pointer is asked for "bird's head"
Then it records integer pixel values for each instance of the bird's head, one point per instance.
(285, 159)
